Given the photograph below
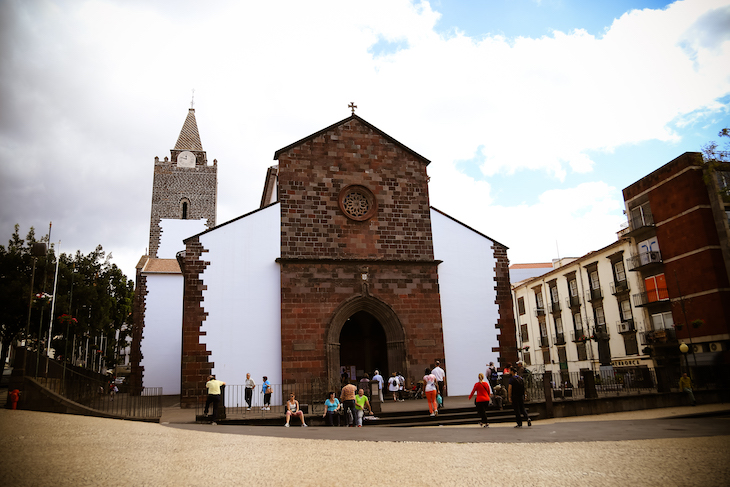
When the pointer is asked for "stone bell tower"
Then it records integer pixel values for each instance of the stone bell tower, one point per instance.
(185, 186)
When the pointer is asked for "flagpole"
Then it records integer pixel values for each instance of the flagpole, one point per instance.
(53, 307)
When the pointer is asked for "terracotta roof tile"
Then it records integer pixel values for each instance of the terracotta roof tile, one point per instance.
(161, 266)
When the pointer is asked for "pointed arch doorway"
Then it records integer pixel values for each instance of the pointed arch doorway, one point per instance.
(365, 330)
(363, 344)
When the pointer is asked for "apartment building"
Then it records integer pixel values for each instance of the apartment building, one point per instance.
(678, 224)
(579, 315)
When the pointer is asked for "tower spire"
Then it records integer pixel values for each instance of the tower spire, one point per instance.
(189, 138)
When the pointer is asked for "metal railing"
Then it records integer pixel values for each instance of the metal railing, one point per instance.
(96, 395)
(544, 342)
(644, 258)
(577, 335)
(647, 298)
(555, 307)
(625, 326)
(311, 394)
(646, 220)
(617, 382)
(539, 311)
(572, 301)
(559, 339)
(593, 294)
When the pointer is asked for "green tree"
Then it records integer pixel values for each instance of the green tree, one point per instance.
(90, 289)
(715, 158)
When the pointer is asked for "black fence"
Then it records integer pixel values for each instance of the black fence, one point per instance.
(311, 397)
(572, 385)
(98, 395)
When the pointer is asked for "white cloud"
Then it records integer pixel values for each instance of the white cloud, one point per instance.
(93, 91)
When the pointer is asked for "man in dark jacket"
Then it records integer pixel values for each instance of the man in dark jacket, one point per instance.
(517, 397)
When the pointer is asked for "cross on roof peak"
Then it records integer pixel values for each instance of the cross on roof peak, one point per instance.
(352, 107)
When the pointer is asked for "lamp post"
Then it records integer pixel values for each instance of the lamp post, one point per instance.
(684, 349)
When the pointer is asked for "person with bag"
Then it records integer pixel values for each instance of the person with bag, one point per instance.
(347, 398)
(266, 390)
(431, 389)
(517, 397)
(393, 385)
(483, 390)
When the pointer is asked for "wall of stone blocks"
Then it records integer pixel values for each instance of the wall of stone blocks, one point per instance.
(506, 323)
(311, 176)
(199, 185)
(312, 291)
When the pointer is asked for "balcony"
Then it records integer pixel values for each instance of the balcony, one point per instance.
(555, 307)
(663, 335)
(544, 342)
(620, 287)
(577, 335)
(625, 326)
(559, 338)
(644, 260)
(640, 226)
(572, 301)
(539, 311)
(594, 294)
(647, 298)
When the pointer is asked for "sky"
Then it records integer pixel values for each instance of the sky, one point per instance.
(534, 113)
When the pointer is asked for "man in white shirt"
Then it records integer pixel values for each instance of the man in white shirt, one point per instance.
(379, 378)
(249, 384)
(440, 376)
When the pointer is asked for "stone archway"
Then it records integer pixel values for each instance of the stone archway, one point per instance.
(394, 334)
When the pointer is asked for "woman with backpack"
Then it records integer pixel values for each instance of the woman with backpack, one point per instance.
(483, 390)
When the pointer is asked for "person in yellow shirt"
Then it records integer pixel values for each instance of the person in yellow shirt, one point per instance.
(685, 385)
(214, 395)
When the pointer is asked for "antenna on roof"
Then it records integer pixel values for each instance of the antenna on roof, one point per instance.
(192, 100)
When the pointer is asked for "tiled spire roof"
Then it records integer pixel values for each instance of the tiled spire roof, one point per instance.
(189, 138)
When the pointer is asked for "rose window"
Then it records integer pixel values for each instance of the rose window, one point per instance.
(357, 202)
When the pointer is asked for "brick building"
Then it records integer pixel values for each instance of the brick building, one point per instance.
(345, 266)
(679, 226)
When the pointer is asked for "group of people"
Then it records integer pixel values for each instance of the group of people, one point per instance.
(213, 388)
(515, 393)
(351, 405)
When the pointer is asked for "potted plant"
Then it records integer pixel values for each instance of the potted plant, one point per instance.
(678, 326)
(697, 323)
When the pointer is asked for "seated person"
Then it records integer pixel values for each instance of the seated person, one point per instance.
(292, 409)
(499, 397)
(361, 404)
(331, 410)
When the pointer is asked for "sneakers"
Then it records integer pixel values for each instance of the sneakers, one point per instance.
(248, 409)
(518, 426)
(432, 415)
(304, 425)
(529, 423)
(286, 425)
(484, 425)
(359, 426)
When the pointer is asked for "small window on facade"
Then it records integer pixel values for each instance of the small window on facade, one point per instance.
(618, 268)
(559, 325)
(631, 345)
(521, 305)
(662, 321)
(526, 358)
(185, 210)
(595, 283)
(546, 356)
(573, 287)
(600, 317)
(626, 310)
(554, 294)
(581, 349)
(538, 299)
(577, 321)
(524, 333)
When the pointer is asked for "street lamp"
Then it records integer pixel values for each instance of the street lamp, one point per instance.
(684, 349)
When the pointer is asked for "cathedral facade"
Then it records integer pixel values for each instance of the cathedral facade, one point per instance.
(345, 266)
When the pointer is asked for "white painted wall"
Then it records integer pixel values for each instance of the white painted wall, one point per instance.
(173, 232)
(243, 298)
(162, 340)
(468, 309)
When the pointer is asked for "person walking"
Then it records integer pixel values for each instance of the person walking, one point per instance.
(492, 375)
(361, 404)
(685, 385)
(266, 390)
(401, 386)
(214, 395)
(440, 376)
(431, 389)
(347, 398)
(292, 409)
(393, 386)
(365, 383)
(483, 390)
(331, 410)
(249, 385)
(380, 380)
(517, 397)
